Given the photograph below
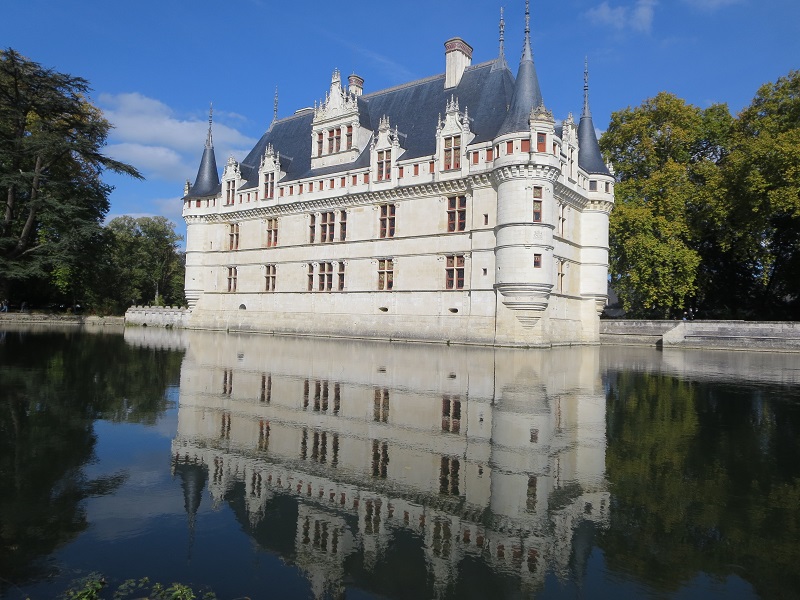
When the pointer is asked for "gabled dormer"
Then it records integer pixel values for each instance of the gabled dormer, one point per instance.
(231, 181)
(336, 134)
(384, 151)
(569, 148)
(269, 173)
(452, 137)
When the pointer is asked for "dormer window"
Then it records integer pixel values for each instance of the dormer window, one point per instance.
(269, 185)
(319, 143)
(452, 152)
(337, 139)
(349, 138)
(384, 165)
(330, 141)
(541, 142)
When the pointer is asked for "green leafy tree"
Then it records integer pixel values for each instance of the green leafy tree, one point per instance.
(664, 154)
(147, 259)
(51, 169)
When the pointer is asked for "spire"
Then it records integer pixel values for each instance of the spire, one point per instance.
(207, 181)
(209, 142)
(275, 106)
(527, 94)
(590, 159)
(501, 63)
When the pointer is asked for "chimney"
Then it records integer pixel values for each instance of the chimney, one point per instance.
(355, 85)
(458, 56)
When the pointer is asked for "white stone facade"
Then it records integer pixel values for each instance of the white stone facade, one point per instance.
(463, 237)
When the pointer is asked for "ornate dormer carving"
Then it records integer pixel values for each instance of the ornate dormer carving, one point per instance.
(269, 173)
(452, 137)
(540, 113)
(337, 135)
(231, 180)
(385, 150)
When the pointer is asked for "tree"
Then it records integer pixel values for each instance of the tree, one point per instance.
(147, 259)
(50, 170)
(663, 153)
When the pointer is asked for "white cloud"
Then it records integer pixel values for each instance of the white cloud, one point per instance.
(149, 135)
(638, 17)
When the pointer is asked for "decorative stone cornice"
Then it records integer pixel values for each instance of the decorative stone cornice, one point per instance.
(527, 300)
(525, 171)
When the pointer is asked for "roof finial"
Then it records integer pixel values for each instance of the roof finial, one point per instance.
(527, 54)
(209, 143)
(502, 33)
(586, 112)
(275, 106)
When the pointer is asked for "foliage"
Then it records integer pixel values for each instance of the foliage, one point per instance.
(93, 586)
(50, 174)
(708, 206)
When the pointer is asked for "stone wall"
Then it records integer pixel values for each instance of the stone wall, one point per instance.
(783, 336)
(30, 318)
(157, 316)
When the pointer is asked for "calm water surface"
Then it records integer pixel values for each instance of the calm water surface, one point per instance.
(296, 468)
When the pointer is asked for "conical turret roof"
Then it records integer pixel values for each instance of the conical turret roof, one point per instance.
(207, 181)
(590, 159)
(527, 94)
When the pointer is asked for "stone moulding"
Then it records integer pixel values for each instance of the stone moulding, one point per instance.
(527, 300)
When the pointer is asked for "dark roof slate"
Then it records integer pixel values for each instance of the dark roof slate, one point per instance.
(207, 181)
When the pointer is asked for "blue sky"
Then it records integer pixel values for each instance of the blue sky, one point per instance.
(155, 66)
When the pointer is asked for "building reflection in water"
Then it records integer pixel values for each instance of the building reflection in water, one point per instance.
(492, 455)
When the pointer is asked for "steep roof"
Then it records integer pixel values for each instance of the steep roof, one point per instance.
(207, 181)
(590, 159)
(414, 108)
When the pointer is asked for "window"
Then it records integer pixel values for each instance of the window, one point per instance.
(230, 189)
(272, 233)
(355, 179)
(525, 145)
(326, 227)
(269, 185)
(385, 274)
(232, 276)
(387, 220)
(509, 147)
(266, 390)
(562, 219)
(384, 165)
(454, 272)
(233, 236)
(269, 278)
(366, 177)
(342, 225)
(489, 155)
(456, 213)
(400, 171)
(451, 414)
(325, 277)
(537, 211)
(312, 227)
(560, 275)
(448, 476)
(380, 459)
(541, 140)
(592, 185)
(300, 190)
(537, 191)
(337, 139)
(537, 261)
(341, 277)
(319, 143)
(330, 141)
(349, 137)
(380, 414)
(310, 277)
(608, 187)
(452, 152)
(342, 182)
(476, 157)
(416, 169)
(430, 167)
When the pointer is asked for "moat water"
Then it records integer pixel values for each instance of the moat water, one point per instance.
(268, 467)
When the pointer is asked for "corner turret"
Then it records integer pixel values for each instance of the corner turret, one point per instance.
(207, 181)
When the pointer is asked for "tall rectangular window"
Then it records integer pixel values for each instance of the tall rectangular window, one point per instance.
(326, 227)
(541, 142)
(342, 225)
(387, 220)
(337, 137)
(230, 190)
(312, 228)
(452, 152)
(330, 141)
(489, 154)
(325, 277)
(310, 277)
(454, 272)
(233, 236)
(384, 165)
(232, 277)
(269, 278)
(272, 232)
(525, 145)
(385, 274)
(537, 211)
(416, 169)
(320, 136)
(537, 261)
(349, 137)
(341, 277)
(269, 185)
(451, 414)
(456, 213)
(510, 147)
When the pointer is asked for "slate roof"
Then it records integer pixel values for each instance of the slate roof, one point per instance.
(207, 181)
(590, 159)
(414, 108)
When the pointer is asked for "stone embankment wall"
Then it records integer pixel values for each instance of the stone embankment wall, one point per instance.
(34, 318)
(782, 336)
(157, 316)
